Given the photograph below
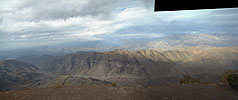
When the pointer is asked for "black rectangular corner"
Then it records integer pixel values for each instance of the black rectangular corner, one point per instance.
(175, 5)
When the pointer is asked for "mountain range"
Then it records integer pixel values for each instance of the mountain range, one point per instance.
(165, 43)
(144, 67)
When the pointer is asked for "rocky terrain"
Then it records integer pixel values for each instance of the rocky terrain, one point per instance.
(139, 69)
(17, 75)
(108, 92)
(144, 67)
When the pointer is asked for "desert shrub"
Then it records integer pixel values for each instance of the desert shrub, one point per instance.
(187, 79)
(226, 74)
(113, 84)
(233, 80)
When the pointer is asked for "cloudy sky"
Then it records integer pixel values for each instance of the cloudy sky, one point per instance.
(26, 23)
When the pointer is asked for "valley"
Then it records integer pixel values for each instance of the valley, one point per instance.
(124, 67)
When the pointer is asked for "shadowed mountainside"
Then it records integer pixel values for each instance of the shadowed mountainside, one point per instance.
(15, 74)
(37, 60)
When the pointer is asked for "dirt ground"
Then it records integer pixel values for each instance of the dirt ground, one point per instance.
(108, 92)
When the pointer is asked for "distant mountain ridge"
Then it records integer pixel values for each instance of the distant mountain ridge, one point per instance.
(177, 41)
(37, 60)
(169, 42)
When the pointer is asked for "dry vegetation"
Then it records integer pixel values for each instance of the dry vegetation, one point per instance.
(230, 77)
(109, 92)
(226, 74)
(189, 79)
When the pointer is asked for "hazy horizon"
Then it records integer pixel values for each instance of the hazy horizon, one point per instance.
(27, 23)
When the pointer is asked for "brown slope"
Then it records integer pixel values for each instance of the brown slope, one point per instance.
(73, 80)
(140, 63)
(210, 64)
(107, 92)
(212, 61)
(152, 64)
(9, 70)
(177, 55)
(13, 67)
(16, 74)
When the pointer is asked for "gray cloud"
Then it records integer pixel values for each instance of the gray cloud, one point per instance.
(49, 9)
(32, 10)
(43, 22)
(180, 22)
(1, 20)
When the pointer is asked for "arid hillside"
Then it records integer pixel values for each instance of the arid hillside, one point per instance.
(134, 67)
(108, 92)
